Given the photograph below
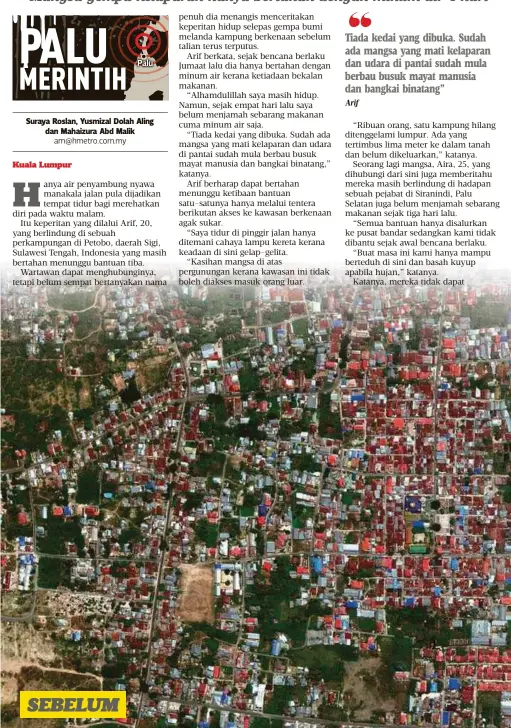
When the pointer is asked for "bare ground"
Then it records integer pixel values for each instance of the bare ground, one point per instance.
(9, 688)
(29, 662)
(16, 604)
(195, 602)
(35, 678)
(362, 690)
(152, 372)
(22, 646)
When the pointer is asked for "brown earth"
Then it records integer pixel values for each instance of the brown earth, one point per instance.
(29, 663)
(152, 372)
(15, 603)
(31, 652)
(9, 689)
(195, 603)
(34, 678)
(362, 690)
(22, 645)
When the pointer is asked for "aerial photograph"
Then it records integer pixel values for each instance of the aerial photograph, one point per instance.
(258, 507)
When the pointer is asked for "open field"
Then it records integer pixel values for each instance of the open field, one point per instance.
(30, 662)
(15, 603)
(363, 691)
(196, 599)
(23, 645)
(152, 372)
(34, 678)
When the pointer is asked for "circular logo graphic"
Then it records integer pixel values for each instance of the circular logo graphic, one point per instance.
(139, 39)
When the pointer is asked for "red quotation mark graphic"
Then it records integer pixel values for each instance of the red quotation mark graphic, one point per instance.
(364, 21)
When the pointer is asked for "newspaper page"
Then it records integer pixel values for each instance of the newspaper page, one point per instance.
(255, 321)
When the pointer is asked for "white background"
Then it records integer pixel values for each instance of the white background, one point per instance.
(486, 100)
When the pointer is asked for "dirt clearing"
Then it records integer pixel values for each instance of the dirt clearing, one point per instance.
(195, 603)
(363, 692)
(23, 646)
